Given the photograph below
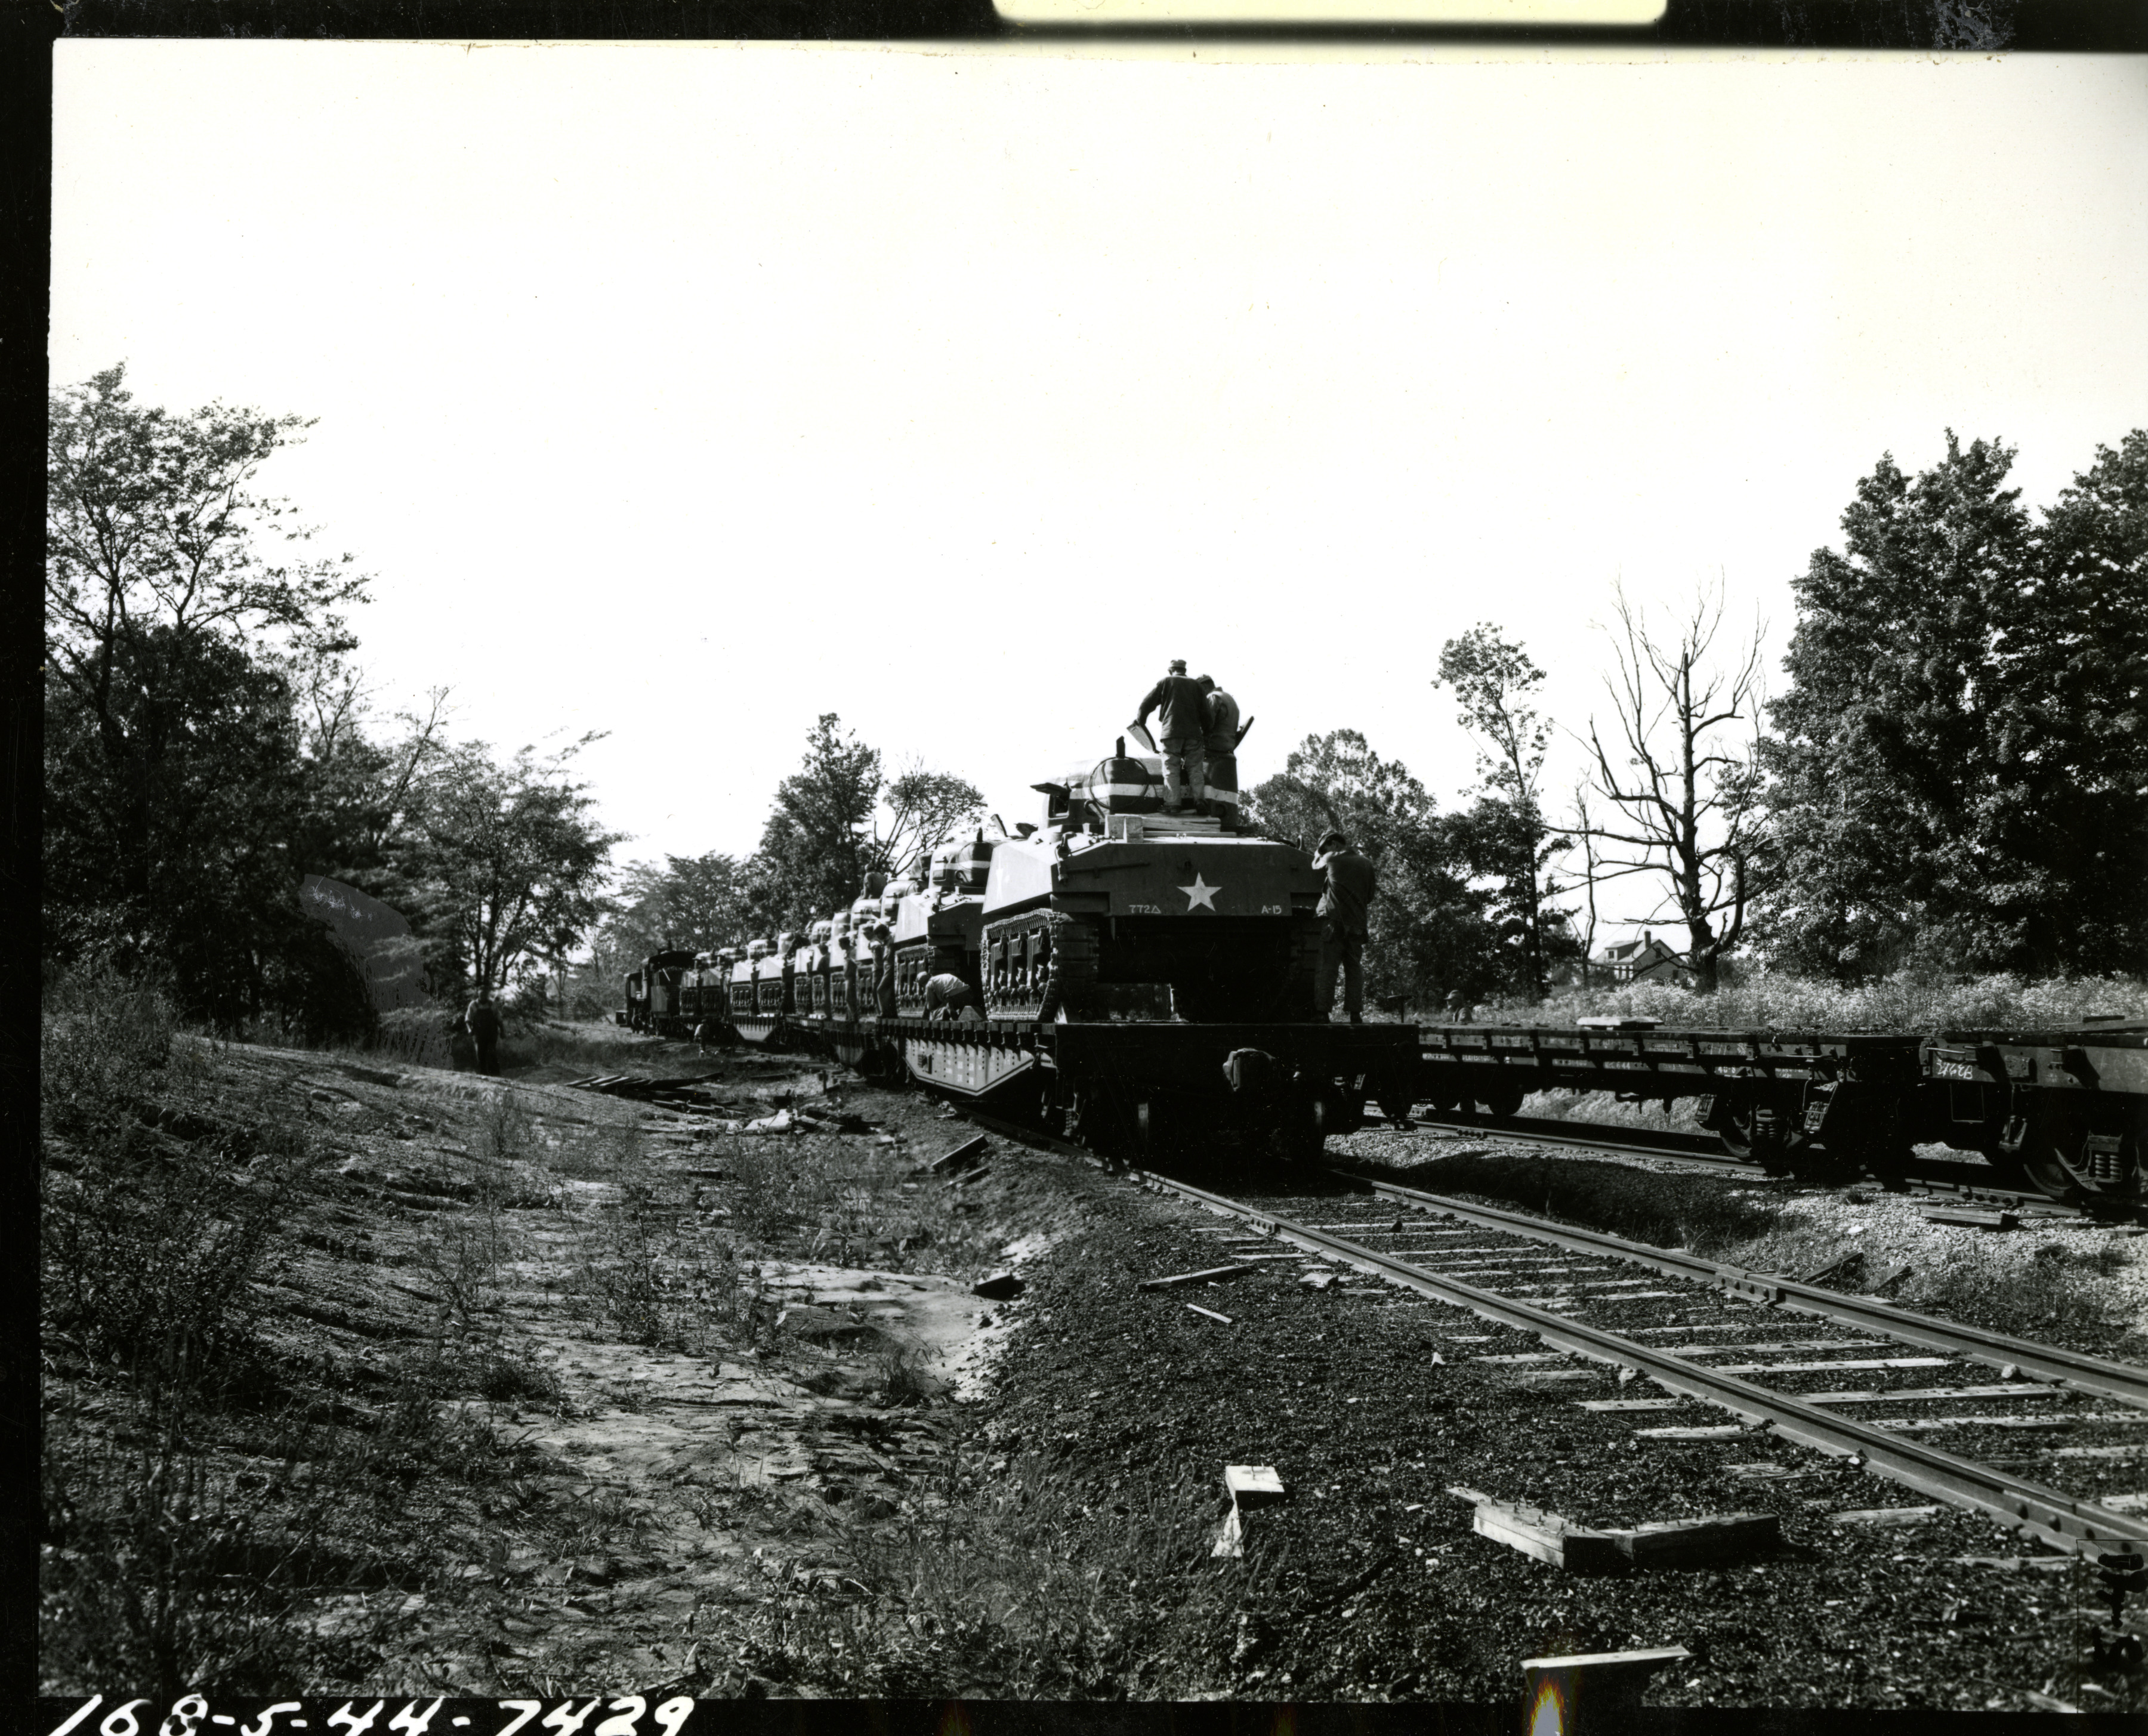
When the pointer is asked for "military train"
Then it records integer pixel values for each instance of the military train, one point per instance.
(1136, 977)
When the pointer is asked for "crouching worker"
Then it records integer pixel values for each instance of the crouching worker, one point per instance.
(947, 996)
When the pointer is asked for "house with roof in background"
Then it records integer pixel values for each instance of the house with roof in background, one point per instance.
(1647, 960)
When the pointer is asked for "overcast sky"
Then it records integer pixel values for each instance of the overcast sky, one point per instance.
(688, 393)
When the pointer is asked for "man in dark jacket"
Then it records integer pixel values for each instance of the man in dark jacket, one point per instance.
(1219, 715)
(483, 1019)
(1344, 903)
(1181, 733)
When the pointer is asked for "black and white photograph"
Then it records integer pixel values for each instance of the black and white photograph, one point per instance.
(1069, 869)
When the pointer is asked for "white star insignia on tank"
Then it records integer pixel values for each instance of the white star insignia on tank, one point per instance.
(1199, 895)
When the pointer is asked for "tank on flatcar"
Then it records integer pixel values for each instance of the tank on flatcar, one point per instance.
(936, 928)
(1113, 909)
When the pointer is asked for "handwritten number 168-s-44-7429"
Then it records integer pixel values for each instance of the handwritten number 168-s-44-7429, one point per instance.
(191, 1715)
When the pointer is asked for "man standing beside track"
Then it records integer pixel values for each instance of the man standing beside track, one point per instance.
(1343, 904)
(484, 1021)
(1181, 733)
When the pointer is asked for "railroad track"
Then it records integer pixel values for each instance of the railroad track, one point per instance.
(1942, 1180)
(1580, 1308)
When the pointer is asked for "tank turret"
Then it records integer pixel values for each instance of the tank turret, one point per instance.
(1118, 911)
(969, 864)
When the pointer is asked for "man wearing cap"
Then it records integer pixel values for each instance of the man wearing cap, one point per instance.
(1343, 903)
(1181, 732)
(484, 1021)
(1219, 716)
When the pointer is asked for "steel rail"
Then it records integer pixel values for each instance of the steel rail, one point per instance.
(1597, 1137)
(2080, 1527)
(2046, 1363)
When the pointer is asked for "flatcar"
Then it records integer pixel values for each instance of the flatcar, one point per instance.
(2065, 1110)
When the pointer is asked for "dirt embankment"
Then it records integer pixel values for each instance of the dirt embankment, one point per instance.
(378, 1376)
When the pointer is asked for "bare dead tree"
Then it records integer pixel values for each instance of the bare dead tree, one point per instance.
(1590, 863)
(1685, 801)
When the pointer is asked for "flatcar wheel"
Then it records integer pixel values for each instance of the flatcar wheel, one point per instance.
(2070, 1156)
(1501, 1100)
(1304, 1134)
(1740, 1133)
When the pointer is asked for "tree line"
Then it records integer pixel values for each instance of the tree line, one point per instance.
(1957, 774)
(209, 743)
(838, 819)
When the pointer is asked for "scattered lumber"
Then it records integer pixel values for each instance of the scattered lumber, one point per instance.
(1209, 1275)
(1970, 1216)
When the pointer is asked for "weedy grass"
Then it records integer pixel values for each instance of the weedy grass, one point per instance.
(1600, 1108)
(1037, 1591)
(1910, 1000)
(847, 1204)
(538, 1043)
(205, 1496)
(2025, 1296)
(1693, 1213)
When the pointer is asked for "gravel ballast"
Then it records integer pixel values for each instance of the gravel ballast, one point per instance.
(1369, 1582)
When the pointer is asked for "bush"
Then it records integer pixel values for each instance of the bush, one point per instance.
(1909, 1000)
(106, 1040)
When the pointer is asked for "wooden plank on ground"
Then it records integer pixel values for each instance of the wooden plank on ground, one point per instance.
(1547, 1537)
(1212, 1275)
(1971, 1218)
(1882, 1516)
(1723, 1431)
(1714, 1541)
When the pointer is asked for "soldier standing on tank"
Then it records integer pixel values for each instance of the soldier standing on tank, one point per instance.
(1219, 716)
(1182, 734)
(1343, 908)
(484, 1019)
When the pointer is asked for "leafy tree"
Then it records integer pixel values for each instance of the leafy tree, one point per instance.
(171, 770)
(513, 859)
(694, 902)
(919, 809)
(1493, 680)
(2074, 719)
(1956, 772)
(1683, 809)
(1429, 933)
(151, 521)
(836, 820)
